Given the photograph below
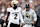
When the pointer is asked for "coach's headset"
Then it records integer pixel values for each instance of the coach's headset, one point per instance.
(14, 4)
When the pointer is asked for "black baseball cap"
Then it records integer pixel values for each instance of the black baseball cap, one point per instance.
(27, 6)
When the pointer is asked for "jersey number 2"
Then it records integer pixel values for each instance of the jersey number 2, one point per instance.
(15, 16)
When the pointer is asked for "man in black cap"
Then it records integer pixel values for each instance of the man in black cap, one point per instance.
(29, 16)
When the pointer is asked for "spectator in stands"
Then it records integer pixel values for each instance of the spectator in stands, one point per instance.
(3, 9)
(1, 18)
(38, 16)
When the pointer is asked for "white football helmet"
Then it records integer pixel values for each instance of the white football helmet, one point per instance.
(14, 2)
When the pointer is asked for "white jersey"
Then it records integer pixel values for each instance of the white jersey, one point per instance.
(29, 16)
(15, 15)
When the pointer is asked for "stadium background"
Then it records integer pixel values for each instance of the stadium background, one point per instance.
(4, 4)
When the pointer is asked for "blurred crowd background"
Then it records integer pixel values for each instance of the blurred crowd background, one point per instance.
(4, 4)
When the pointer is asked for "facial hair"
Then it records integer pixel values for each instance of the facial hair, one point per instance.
(27, 9)
(15, 6)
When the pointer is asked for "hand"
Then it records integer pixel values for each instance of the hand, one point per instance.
(3, 26)
(34, 22)
(23, 24)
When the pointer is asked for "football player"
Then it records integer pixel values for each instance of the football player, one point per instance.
(29, 16)
(14, 15)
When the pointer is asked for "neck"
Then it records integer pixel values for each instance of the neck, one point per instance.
(27, 10)
(14, 8)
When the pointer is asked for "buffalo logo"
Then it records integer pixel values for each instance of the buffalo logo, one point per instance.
(28, 16)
